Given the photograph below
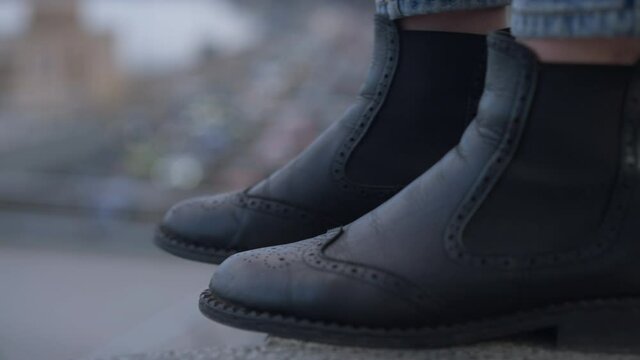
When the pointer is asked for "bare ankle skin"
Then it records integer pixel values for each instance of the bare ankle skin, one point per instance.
(612, 51)
(482, 21)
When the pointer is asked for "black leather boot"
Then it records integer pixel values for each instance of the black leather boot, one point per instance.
(421, 92)
(530, 223)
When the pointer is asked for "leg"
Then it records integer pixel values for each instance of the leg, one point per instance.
(566, 31)
(478, 21)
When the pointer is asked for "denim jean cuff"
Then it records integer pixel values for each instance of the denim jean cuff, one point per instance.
(397, 9)
(574, 18)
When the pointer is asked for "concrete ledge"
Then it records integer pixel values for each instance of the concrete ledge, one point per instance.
(278, 349)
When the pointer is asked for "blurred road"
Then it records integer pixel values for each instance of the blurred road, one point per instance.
(76, 287)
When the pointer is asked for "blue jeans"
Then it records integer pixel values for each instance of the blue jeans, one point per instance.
(539, 18)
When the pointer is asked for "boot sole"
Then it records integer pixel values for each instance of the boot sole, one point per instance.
(186, 250)
(611, 326)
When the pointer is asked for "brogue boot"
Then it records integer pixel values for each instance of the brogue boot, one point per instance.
(421, 92)
(530, 223)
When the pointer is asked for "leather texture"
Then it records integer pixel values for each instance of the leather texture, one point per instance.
(536, 206)
(397, 129)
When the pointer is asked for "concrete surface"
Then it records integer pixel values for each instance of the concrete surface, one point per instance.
(277, 349)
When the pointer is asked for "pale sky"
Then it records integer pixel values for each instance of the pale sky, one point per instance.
(155, 34)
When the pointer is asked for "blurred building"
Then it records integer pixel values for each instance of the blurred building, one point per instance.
(57, 64)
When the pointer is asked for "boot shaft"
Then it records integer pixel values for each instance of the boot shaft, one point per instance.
(558, 201)
(554, 183)
(400, 125)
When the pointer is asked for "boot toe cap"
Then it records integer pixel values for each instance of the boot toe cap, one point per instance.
(281, 280)
(210, 222)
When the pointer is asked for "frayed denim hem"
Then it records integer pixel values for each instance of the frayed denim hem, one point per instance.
(573, 18)
(397, 9)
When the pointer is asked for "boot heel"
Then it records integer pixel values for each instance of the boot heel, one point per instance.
(614, 329)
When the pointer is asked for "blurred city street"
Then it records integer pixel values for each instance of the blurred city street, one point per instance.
(112, 111)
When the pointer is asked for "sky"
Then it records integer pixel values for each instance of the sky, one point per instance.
(154, 34)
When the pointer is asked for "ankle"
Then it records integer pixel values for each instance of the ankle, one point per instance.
(482, 21)
(622, 51)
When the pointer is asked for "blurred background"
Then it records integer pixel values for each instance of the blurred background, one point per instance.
(113, 110)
